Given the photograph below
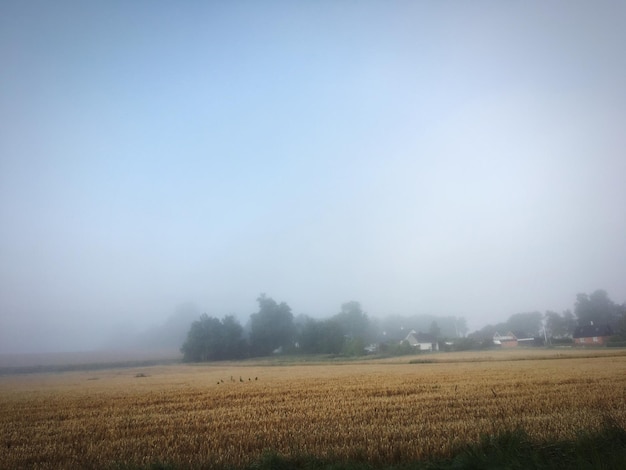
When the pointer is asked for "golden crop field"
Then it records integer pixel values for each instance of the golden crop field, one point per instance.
(229, 413)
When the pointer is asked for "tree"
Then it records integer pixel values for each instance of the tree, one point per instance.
(211, 339)
(355, 326)
(434, 330)
(596, 308)
(272, 327)
(353, 320)
(555, 325)
(570, 322)
(525, 324)
(310, 336)
(234, 346)
(321, 337)
(465, 344)
(621, 324)
(559, 326)
(484, 337)
(354, 346)
(333, 337)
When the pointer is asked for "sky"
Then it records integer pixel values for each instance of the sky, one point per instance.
(447, 158)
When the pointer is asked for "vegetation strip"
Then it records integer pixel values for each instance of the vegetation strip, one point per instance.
(510, 449)
(513, 449)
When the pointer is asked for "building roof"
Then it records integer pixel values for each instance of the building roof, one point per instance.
(508, 337)
(589, 331)
(420, 337)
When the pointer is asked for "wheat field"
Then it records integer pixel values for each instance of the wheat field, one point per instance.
(228, 414)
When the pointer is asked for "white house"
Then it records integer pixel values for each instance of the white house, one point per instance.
(422, 341)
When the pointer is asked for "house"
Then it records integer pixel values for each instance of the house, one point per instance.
(422, 341)
(592, 335)
(508, 340)
(371, 348)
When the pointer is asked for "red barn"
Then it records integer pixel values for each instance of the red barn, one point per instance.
(591, 335)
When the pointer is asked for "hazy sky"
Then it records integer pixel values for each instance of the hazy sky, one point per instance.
(453, 158)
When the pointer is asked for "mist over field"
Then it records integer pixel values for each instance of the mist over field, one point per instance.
(161, 161)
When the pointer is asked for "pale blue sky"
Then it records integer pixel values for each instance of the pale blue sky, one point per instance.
(461, 158)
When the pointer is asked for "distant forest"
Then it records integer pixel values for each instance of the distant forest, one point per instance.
(351, 332)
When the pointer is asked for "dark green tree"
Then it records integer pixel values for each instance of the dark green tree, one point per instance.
(234, 345)
(272, 327)
(310, 336)
(333, 337)
(197, 346)
(354, 346)
(321, 337)
(211, 339)
(353, 320)
(356, 328)
(597, 308)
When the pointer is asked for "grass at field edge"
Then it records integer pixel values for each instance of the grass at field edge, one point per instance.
(603, 449)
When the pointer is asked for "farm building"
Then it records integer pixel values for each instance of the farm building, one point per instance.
(592, 335)
(512, 340)
(508, 340)
(422, 341)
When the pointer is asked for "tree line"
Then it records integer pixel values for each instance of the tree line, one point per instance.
(595, 308)
(274, 328)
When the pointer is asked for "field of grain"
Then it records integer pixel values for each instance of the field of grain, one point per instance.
(229, 413)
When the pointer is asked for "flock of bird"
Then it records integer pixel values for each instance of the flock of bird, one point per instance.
(232, 379)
